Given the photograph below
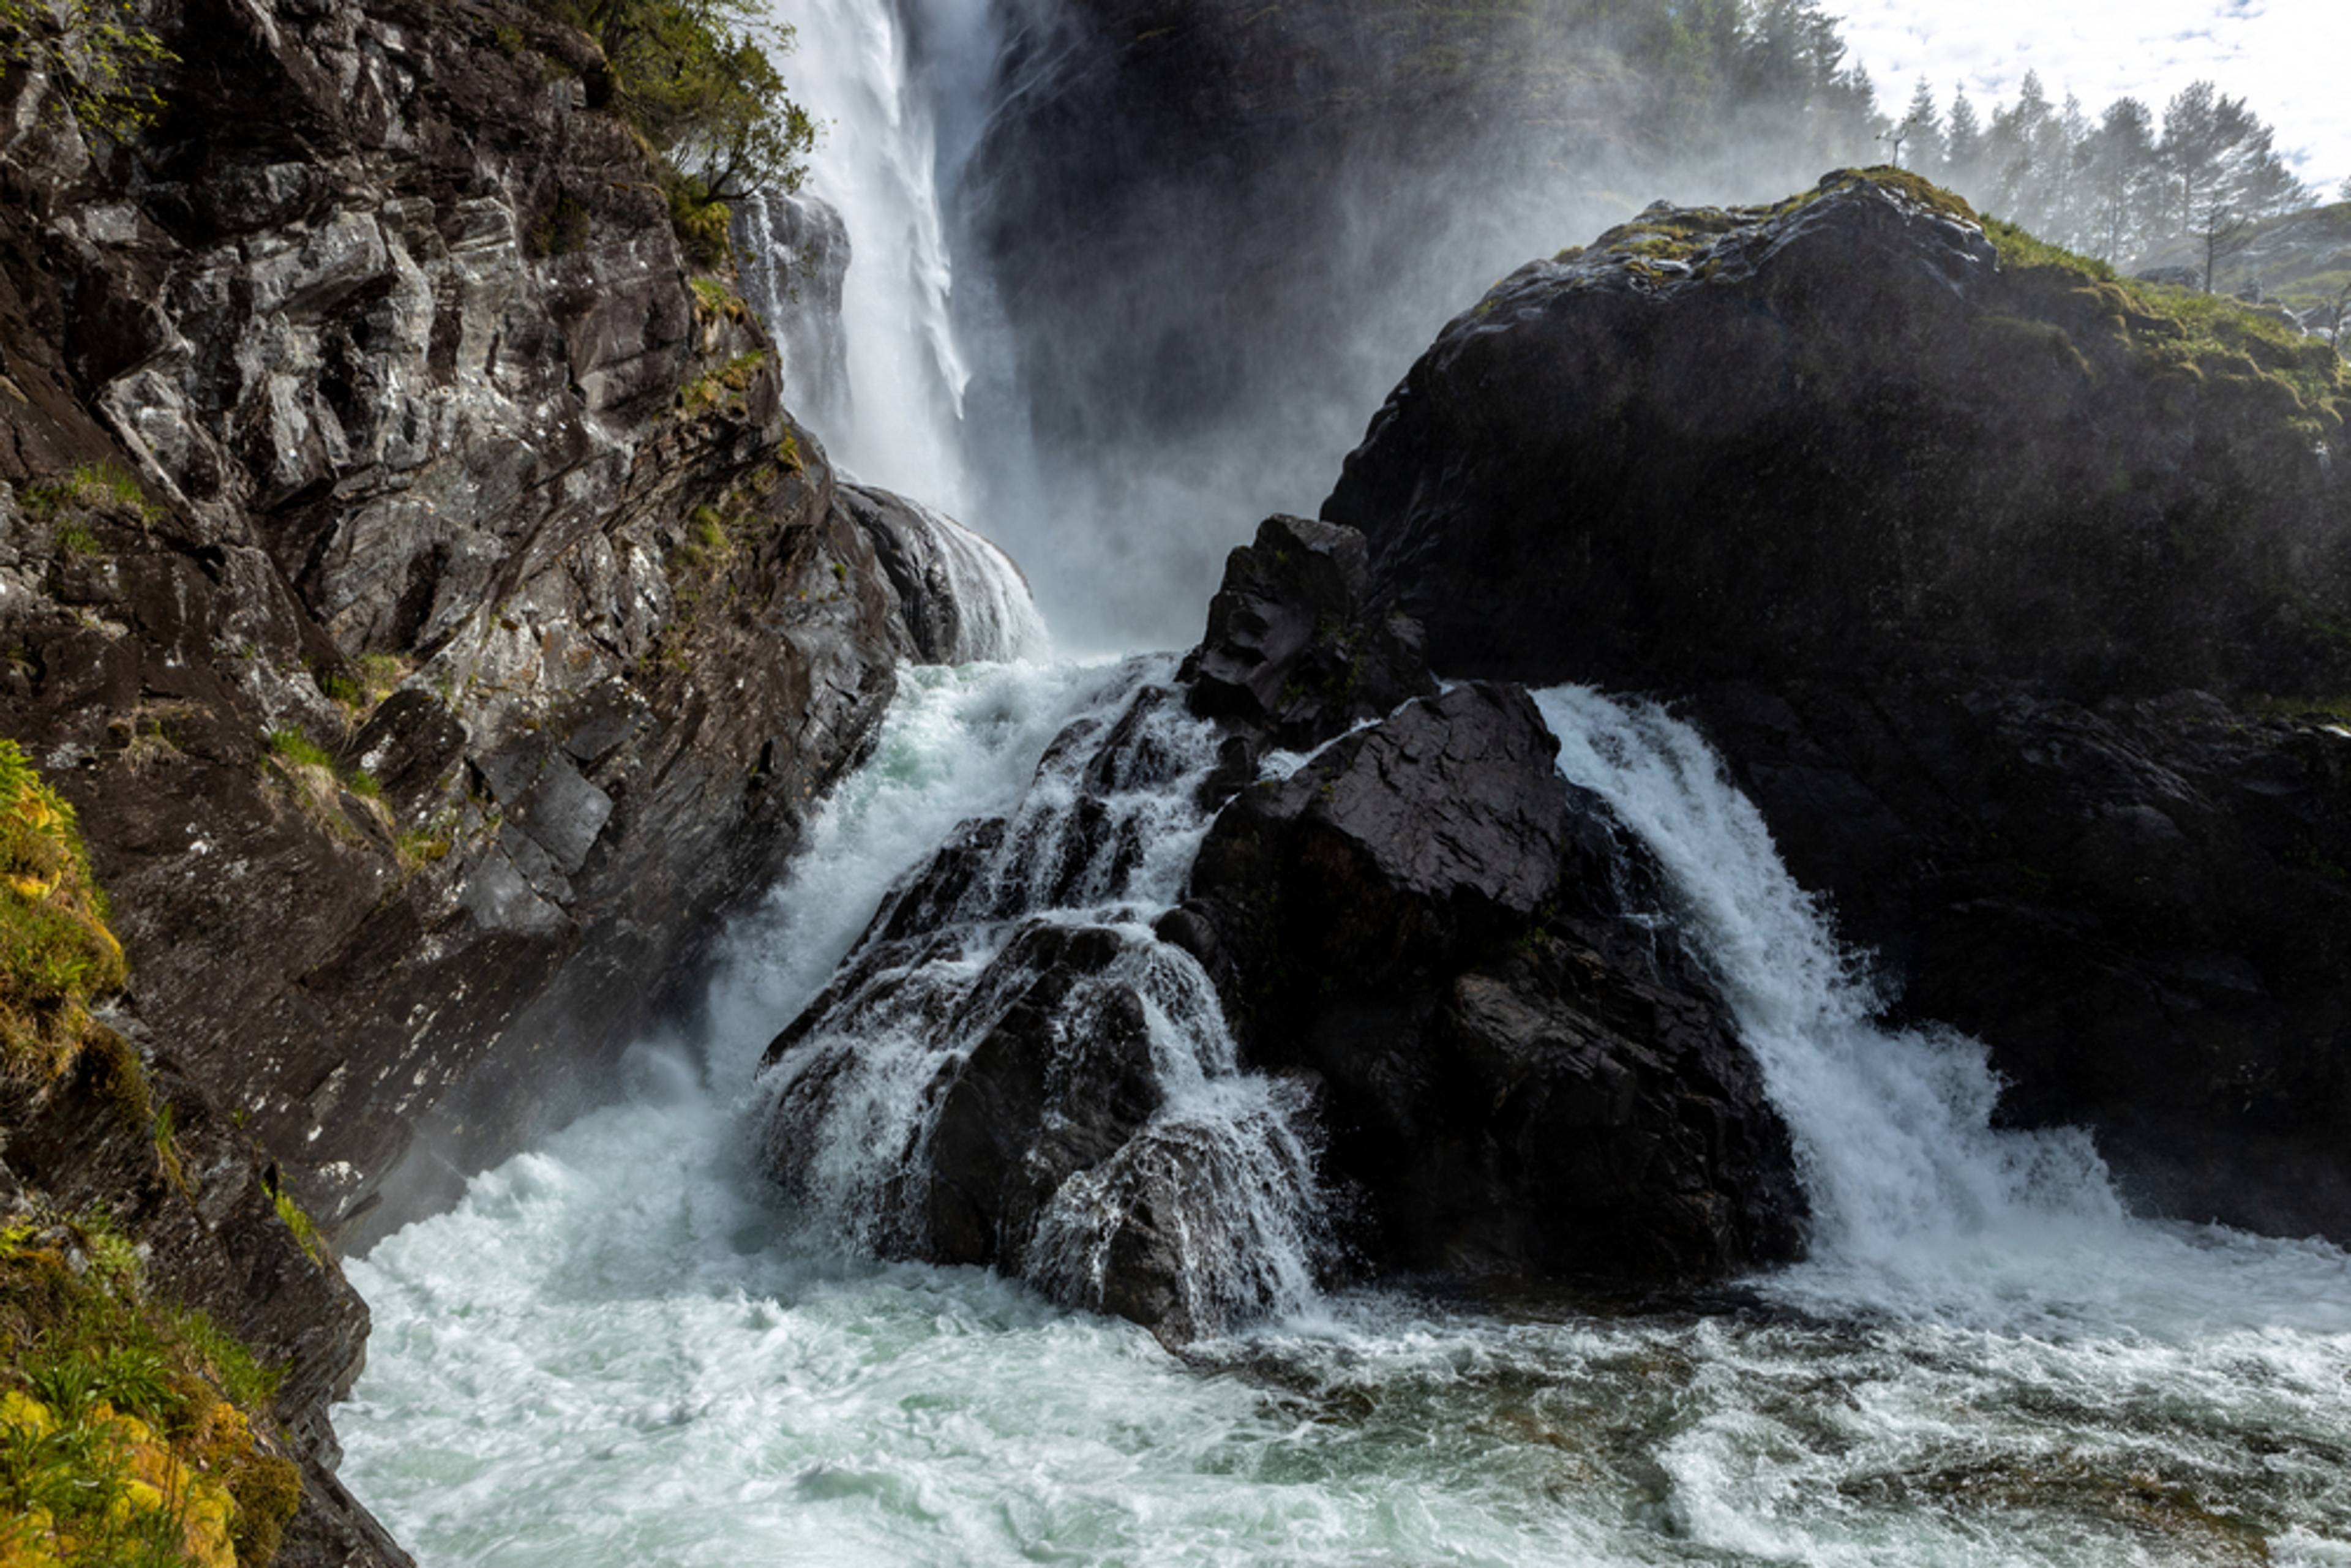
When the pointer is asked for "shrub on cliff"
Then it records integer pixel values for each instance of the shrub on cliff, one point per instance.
(696, 78)
(55, 953)
(98, 57)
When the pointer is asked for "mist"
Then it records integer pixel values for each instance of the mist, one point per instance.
(1117, 291)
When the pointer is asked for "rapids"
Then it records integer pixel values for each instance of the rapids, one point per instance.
(626, 1347)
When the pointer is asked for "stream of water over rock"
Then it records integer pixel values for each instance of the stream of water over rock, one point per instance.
(628, 1347)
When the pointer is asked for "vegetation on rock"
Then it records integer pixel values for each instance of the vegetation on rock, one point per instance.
(56, 952)
(696, 79)
(101, 61)
(127, 1423)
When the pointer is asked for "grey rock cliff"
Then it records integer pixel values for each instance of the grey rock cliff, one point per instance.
(410, 574)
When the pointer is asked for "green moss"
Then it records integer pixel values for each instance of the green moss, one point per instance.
(127, 1422)
(2019, 249)
(563, 230)
(57, 954)
(298, 748)
(722, 387)
(103, 62)
(700, 223)
(300, 1223)
(716, 301)
(90, 487)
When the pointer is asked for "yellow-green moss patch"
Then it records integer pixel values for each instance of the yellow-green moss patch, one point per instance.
(57, 954)
(127, 1423)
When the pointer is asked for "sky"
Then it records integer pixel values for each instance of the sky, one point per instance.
(2289, 59)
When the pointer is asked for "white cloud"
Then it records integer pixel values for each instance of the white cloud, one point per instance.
(2291, 60)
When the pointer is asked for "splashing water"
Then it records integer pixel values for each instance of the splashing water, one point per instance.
(1920, 1204)
(996, 616)
(1099, 843)
(621, 1349)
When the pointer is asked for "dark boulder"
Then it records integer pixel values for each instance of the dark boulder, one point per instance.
(1850, 430)
(1295, 650)
(1996, 581)
(1523, 1073)
(1011, 1069)
(1053, 1081)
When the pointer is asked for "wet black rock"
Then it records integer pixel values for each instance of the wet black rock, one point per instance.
(1524, 1071)
(1054, 1081)
(1295, 649)
(1997, 583)
(1844, 433)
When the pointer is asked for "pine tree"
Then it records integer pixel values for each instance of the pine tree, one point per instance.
(1921, 133)
(1963, 147)
(2123, 181)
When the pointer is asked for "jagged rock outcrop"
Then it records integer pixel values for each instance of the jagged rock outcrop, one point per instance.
(1295, 650)
(1997, 584)
(958, 597)
(1010, 1068)
(1522, 1072)
(417, 583)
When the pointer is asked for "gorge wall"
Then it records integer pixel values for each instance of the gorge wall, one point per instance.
(408, 572)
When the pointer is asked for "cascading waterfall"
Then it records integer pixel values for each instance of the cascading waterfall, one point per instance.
(996, 615)
(1921, 1204)
(1894, 1128)
(897, 422)
(1099, 845)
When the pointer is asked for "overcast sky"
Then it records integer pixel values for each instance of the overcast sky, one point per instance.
(2291, 60)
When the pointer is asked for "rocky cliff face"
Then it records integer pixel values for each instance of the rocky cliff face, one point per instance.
(409, 572)
(1999, 583)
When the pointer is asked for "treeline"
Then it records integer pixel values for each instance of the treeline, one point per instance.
(1773, 77)
(1726, 75)
(2116, 186)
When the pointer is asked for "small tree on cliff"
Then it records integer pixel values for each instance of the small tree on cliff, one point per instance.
(2223, 233)
(98, 60)
(697, 78)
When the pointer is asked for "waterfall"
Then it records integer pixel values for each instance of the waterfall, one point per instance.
(996, 616)
(620, 1350)
(793, 255)
(878, 167)
(1920, 1204)
(1030, 934)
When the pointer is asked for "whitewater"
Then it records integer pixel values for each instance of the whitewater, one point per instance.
(626, 1347)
